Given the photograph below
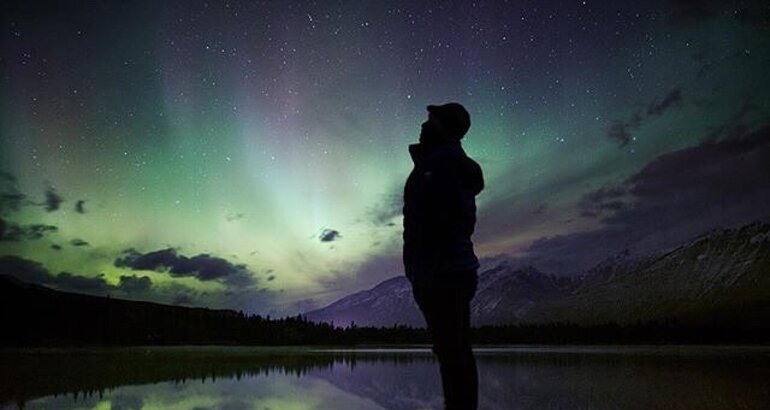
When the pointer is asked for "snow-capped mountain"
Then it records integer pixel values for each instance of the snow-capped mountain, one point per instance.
(722, 276)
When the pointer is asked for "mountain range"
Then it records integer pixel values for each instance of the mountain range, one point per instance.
(721, 277)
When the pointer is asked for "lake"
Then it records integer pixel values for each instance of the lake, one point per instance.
(277, 378)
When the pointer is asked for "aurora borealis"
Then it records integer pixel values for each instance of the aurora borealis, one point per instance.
(251, 155)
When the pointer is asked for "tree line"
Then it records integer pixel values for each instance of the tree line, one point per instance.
(37, 316)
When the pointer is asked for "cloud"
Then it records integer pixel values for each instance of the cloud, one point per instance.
(11, 201)
(13, 232)
(182, 300)
(204, 267)
(66, 280)
(674, 197)
(78, 242)
(37, 231)
(390, 207)
(606, 198)
(80, 206)
(735, 126)
(329, 235)
(249, 299)
(24, 269)
(52, 199)
(622, 130)
(134, 284)
(4, 228)
(234, 217)
(658, 108)
(34, 272)
(10, 197)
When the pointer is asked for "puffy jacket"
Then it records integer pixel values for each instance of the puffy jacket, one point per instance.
(440, 214)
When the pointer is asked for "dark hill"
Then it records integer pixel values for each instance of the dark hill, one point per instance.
(33, 315)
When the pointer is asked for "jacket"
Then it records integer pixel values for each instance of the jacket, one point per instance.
(440, 214)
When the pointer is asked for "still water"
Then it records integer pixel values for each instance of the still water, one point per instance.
(522, 377)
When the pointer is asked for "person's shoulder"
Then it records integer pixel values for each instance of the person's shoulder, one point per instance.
(464, 161)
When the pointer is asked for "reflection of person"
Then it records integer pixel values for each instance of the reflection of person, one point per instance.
(439, 218)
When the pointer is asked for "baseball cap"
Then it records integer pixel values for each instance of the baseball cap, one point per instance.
(453, 116)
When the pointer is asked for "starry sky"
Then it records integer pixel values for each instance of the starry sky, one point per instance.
(252, 155)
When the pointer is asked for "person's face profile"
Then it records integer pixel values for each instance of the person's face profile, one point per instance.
(430, 130)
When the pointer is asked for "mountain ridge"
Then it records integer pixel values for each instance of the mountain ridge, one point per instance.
(716, 275)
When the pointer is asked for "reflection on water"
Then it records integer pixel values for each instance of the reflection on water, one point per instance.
(233, 378)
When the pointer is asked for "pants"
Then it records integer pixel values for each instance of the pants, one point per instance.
(446, 308)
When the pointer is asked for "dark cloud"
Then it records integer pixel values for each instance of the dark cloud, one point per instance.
(96, 285)
(735, 126)
(134, 284)
(391, 206)
(80, 206)
(78, 242)
(658, 108)
(329, 235)
(613, 205)
(182, 300)
(24, 269)
(606, 198)
(604, 193)
(11, 201)
(204, 267)
(248, 299)
(34, 272)
(156, 260)
(234, 217)
(673, 198)
(37, 231)
(622, 130)
(12, 232)
(52, 199)
(10, 197)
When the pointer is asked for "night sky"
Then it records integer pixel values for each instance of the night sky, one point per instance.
(252, 155)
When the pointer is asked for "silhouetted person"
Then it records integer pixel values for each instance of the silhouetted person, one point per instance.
(439, 218)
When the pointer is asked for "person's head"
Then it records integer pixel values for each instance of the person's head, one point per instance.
(447, 122)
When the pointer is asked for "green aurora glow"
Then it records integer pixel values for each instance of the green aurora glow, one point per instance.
(245, 131)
